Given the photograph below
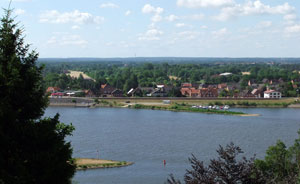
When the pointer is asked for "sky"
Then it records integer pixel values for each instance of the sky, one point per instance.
(160, 28)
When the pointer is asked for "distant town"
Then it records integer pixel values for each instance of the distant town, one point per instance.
(239, 80)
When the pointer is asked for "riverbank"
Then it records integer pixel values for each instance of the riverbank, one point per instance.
(86, 163)
(233, 102)
(125, 101)
(167, 103)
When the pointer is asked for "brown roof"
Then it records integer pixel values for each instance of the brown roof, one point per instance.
(53, 89)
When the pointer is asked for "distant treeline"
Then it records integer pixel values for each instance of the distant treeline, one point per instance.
(172, 60)
(135, 74)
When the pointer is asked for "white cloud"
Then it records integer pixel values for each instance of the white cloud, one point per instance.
(75, 27)
(220, 33)
(265, 24)
(151, 9)
(293, 29)
(187, 35)
(253, 8)
(180, 24)
(66, 40)
(290, 17)
(156, 18)
(151, 34)
(172, 18)
(128, 12)
(148, 9)
(19, 11)
(76, 17)
(109, 5)
(195, 17)
(258, 8)
(203, 3)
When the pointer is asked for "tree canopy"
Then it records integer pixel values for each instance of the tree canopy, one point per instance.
(281, 165)
(33, 148)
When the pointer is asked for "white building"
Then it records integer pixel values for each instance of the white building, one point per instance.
(272, 94)
(225, 74)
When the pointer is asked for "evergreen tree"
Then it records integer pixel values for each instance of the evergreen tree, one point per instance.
(32, 149)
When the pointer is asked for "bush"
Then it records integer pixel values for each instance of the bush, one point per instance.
(225, 169)
(219, 103)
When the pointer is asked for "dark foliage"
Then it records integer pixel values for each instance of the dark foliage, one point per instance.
(226, 169)
(33, 150)
(281, 164)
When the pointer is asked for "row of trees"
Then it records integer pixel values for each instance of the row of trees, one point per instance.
(148, 73)
(132, 75)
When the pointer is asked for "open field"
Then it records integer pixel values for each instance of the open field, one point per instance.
(76, 74)
(87, 163)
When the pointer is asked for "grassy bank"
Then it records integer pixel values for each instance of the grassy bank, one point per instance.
(185, 108)
(285, 102)
(122, 102)
(85, 163)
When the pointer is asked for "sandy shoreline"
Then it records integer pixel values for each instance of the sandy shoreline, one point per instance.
(89, 163)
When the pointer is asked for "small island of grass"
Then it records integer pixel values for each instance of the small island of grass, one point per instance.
(86, 163)
(188, 108)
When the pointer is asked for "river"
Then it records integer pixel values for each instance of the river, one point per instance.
(147, 137)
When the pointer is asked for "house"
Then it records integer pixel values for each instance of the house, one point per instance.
(232, 87)
(222, 86)
(186, 85)
(189, 85)
(57, 94)
(194, 92)
(190, 92)
(185, 91)
(246, 73)
(157, 93)
(209, 93)
(147, 90)
(257, 93)
(106, 90)
(203, 86)
(117, 93)
(89, 93)
(275, 81)
(252, 83)
(165, 88)
(135, 92)
(246, 94)
(52, 89)
(272, 94)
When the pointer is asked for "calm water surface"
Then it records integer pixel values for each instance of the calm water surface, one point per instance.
(148, 137)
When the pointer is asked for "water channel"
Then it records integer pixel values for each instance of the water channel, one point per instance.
(147, 137)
